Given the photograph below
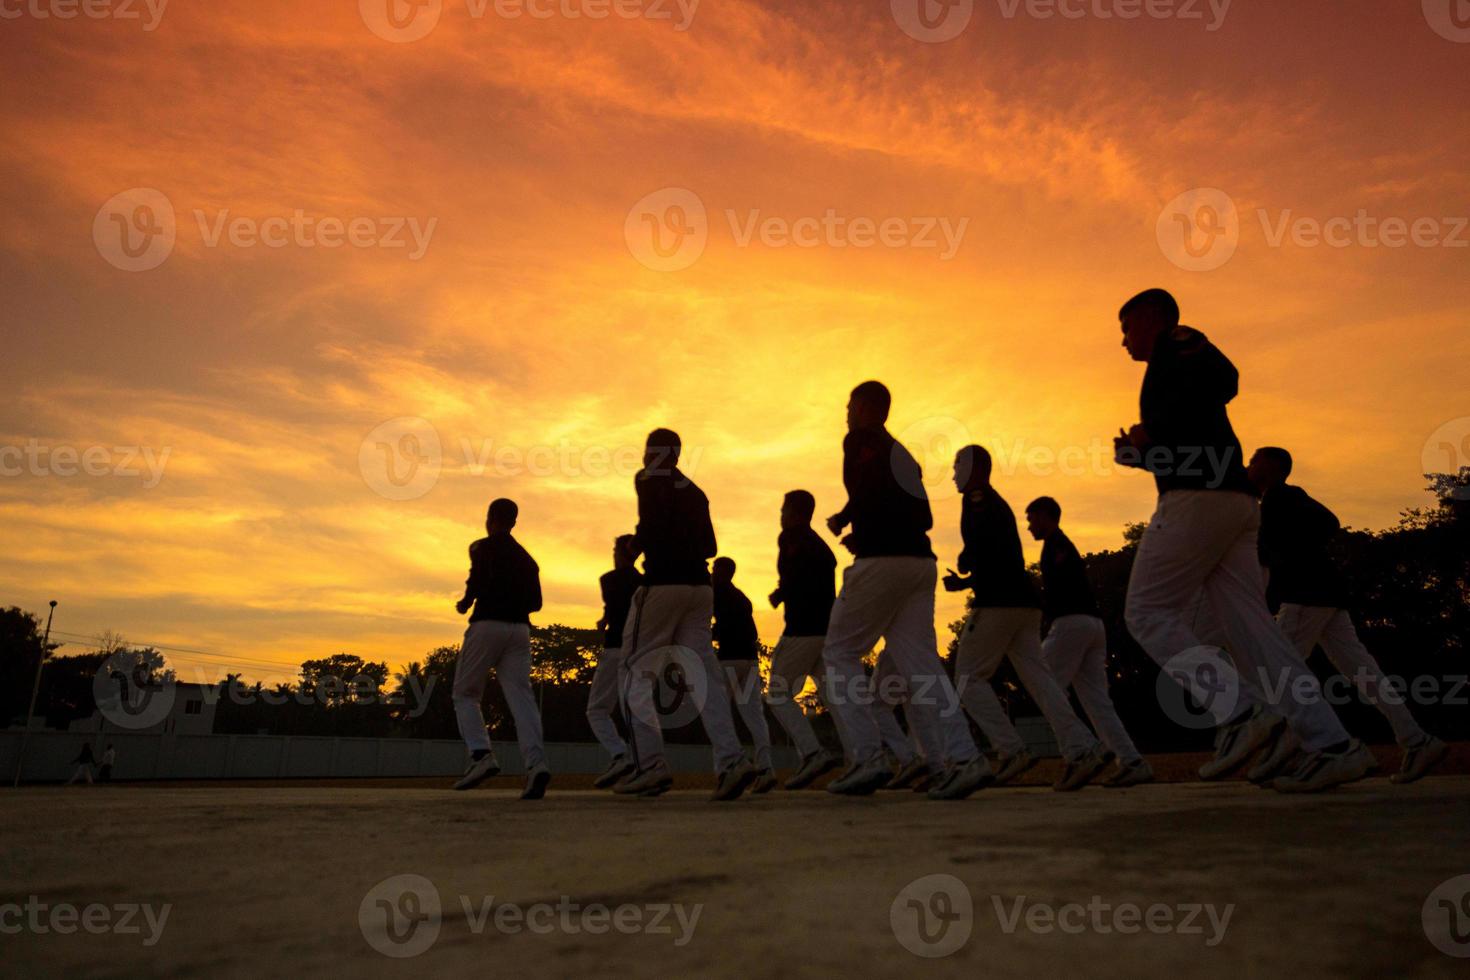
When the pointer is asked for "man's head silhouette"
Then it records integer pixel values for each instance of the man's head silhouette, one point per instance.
(1043, 517)
(661, 452)
(797, 510)
(502, 516)
(722, 572)
(972, 466)
(867, 407)
(1269, 468)
(1145, 318)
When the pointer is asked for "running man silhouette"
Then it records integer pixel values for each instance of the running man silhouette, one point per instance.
(1312, 596)
(618, 587)
(888, 593)
(504, 587)
(1075, 649)
(805, 566)
(1005, 622)
(1203, 536)
(671, 614)
(738, 647)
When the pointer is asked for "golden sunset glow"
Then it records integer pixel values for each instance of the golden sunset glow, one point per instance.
(514, 316)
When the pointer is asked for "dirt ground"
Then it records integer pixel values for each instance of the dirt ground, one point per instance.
(1181, 879)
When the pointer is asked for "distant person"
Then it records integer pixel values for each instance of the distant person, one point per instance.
(1203, 535)
(1312, 595)
(618, 587)
(888, 593)
(738, 648)
(83, 762)
(1005, 623)
(1075, 649)
(504, 587)
(109, 758)
(805, 566)
(672, 610)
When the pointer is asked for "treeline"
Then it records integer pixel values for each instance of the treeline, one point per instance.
(1411, 601)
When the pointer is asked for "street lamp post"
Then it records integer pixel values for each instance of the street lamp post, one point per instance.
(35, 691)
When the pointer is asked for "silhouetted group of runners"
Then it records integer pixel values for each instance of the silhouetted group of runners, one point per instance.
(1225, 534)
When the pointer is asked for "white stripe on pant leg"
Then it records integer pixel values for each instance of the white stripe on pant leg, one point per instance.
(1259, 647)
(1091, 683)
(744, 678)
(1025, 653)
(471, 673)
(1187, 537)
(1345, 650)
(602, 701)
(793, 660)
(513, 671)
(890, 691)
(863, 610)
(692, 631)
(652, 617)
(982, 644)
(933, 707)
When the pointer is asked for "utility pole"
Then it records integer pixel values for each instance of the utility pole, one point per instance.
(35, 690)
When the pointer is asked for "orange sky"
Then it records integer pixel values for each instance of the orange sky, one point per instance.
(523, 317)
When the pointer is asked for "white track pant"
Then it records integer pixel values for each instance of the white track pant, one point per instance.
(794, 660)
(668, 623)
(1308, 626)
(992, 634)
(1076, 653)
(1206, 539)
(893, 691)
(744, 680)
(505, 648)
(891, 599)
(602, 701)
